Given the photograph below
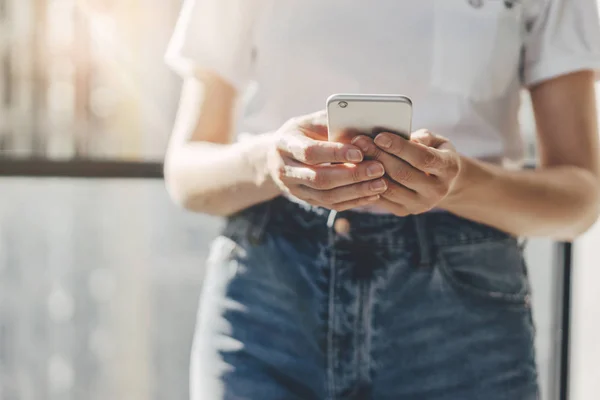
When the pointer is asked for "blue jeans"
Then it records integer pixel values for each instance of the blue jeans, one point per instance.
(428, 307)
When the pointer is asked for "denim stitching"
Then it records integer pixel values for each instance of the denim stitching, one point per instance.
(331, 345)
(506, 299)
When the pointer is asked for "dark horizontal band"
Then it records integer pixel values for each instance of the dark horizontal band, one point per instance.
(80, 168)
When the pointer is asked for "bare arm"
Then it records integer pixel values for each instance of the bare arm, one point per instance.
(561, 198)
(204, 170)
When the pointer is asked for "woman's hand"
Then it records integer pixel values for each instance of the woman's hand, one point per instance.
(326, 174)
(420, 173)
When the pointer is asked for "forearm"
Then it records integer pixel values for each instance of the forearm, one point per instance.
(559, 202)
(220, 179)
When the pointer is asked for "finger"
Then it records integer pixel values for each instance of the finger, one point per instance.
(312, 125)
(347, 205)
(397, 169)
(326, 177)
(394, 208)
(426, 138)
(342, 194)
(400, 194)
(424, 158)
(411, 201)
(314, 152)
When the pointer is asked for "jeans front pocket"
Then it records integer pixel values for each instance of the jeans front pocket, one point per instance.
(476, 50)
(493, 271)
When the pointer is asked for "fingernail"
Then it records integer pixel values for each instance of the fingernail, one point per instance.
(378, 186)
(373, 198)
(361, 143)
(354, 155)
(383, 141)
(375, 170)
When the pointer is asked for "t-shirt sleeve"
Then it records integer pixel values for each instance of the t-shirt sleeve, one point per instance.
(215, 35)
(564, 37)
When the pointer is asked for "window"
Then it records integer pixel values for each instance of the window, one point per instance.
(85, 79)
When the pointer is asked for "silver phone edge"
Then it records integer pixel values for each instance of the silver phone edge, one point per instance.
(368, 98)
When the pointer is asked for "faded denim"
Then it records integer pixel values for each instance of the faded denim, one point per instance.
(429, 307)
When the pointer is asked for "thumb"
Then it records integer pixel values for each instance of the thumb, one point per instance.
(428, 139)
(314, 125)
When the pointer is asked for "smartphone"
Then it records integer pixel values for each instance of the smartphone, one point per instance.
(349, 115)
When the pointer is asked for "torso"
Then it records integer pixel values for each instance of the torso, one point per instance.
(458, 60)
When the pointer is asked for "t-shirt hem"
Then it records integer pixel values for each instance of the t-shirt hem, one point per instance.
(188, 67)
(555, 67)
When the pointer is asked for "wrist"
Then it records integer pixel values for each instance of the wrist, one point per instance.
(471, 176)
(256, 153)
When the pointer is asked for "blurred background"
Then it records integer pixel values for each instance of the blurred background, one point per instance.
(99, 272)
(85, 78)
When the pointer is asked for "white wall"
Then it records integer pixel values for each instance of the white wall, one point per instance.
(585, 318)
(585, 312)
(543, 272)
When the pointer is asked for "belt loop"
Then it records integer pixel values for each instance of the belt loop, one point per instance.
(424, 242)
(330, 231)
(331, 219)
(332, 343)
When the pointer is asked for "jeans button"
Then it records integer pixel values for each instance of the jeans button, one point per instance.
(342, 226)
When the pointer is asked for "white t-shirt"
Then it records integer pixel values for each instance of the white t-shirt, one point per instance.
(463, 62)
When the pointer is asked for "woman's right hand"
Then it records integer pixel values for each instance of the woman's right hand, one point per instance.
(332, 175)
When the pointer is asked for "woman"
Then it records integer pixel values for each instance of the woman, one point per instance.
(396, 274)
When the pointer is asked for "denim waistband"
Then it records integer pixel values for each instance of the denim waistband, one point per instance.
(292, 219)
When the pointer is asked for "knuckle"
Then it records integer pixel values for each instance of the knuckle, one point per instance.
(338, 154)
(282, 172)
(376, 153)
(402, 174)
(356, 175)
(423, 134)
(391, 191)
(309, 154)
(321, 181)
(429, 160)
(427, 133)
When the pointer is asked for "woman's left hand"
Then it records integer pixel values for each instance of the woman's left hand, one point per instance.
(420, 173)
